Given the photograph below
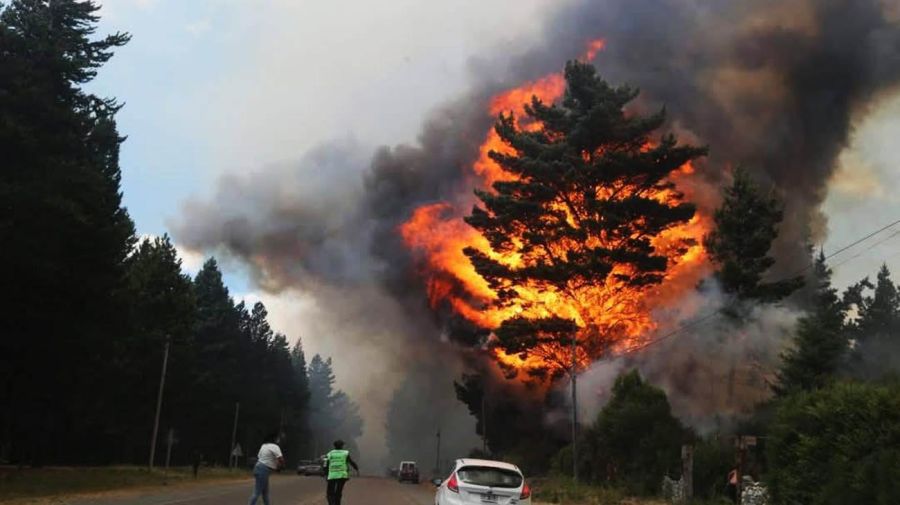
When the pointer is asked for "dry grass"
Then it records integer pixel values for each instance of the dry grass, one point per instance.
(41, 485)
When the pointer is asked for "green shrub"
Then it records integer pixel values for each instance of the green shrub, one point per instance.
(837, 445)
(561, 463)
(635, 440)
(533, 457)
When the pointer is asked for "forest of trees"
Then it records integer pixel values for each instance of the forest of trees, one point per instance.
(88, 309)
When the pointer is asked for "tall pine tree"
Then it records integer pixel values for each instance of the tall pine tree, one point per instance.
(876, 327)
(298, 361)
(298, 424)
(64, 231)
(580, 213)
(161, 307)
(746, 225)
(879, 314)
(332, 413)
(321, 390)
(821, 342)
(220, 369)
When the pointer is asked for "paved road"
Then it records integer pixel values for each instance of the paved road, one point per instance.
(285, 490)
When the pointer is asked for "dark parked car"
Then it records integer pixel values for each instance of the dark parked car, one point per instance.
(311, 467)
(408, 472)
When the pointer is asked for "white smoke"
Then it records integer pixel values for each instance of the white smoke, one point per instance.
(717, 369)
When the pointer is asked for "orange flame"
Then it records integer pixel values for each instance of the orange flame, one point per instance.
(438, 233)
(594, 47)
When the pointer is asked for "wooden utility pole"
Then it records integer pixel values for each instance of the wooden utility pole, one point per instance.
(574, 408)
(483, 426)
(687, 471)
(437, 459)
(741, 444)
(159, 398)
(484, 414)
(170, 439)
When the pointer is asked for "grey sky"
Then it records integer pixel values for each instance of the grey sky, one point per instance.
(863, 196)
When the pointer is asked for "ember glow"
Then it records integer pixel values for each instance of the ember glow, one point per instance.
(612, 317)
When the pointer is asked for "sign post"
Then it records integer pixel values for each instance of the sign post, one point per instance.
(236, 454)
(237, 410)
(170, 441)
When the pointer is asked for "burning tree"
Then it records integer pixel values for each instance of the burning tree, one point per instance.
(578, 226)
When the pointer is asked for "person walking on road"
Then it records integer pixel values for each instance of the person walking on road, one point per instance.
(268, 459)
(337, 472)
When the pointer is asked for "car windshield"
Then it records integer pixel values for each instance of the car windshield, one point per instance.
(408, 467)
(489, 476)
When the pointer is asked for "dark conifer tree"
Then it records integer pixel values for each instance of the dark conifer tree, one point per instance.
(261, 399)
(332, 413)
(821, 343)
(298, 361)
(490, 406)
(298, 425)
(220, 367)
(161, 307)
(876, 327)
(64, 231)
(746, 225)
(349, 423)
(321, 390)
(879, 314)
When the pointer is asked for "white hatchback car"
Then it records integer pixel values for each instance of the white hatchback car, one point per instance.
(483, 482)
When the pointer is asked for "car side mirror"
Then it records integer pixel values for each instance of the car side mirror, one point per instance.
(437, 482)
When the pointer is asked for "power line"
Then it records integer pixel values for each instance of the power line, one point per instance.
(867, 237)
(676, 331)
(697, 322)
(860, 253)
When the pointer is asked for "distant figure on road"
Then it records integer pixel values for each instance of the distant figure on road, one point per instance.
(197, 460)
(337, 472)
(268, 459)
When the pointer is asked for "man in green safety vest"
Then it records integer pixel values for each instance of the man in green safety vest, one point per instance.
(337, 472)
